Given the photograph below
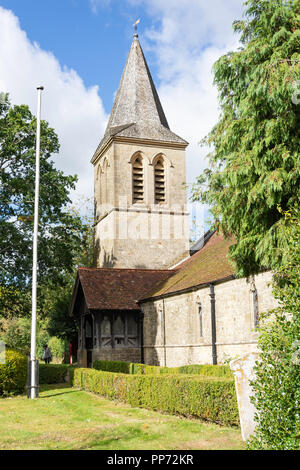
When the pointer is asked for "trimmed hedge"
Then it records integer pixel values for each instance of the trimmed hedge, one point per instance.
(208, 370)
(13, 372)
(113, 366)
(53, 373)
(210, 399)
(133, 368)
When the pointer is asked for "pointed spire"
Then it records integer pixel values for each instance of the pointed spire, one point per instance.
(137, 111)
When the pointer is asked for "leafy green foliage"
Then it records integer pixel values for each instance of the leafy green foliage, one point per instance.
(254, 165)
(134, 368)
(15, 332)
(57, 301)
(211, 399)
(13, 372)
(57, 347)
(207, 370)
(277, 391)
(113, 366)
(60, 232)
(53, 373)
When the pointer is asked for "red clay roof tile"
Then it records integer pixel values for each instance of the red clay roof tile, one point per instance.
(208, 265)
(117, 289)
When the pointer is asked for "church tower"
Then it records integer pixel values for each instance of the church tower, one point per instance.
(139, 178)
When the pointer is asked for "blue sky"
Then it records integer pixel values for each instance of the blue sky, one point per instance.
(77, 49)
(94, 43)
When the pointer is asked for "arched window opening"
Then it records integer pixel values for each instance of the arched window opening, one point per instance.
(200, 319)
(255, 308)
(160, 181)
(138, 181)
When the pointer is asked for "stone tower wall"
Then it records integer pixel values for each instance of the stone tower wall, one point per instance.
(144, 235)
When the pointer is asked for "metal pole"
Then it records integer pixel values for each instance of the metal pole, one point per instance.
(34, 385)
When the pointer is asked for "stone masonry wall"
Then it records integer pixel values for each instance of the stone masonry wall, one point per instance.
(146, 235)
(141, 239)
(110, 354)
(176, 340)
(117, 354)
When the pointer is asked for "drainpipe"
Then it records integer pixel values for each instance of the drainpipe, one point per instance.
(213, 324)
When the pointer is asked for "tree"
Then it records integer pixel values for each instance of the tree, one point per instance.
(254, 165)
(16, 334)
(57, 301)
(276, 387)
(60, 232)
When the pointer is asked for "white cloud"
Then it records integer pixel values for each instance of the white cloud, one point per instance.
(191, 36)
(74, 111)
(96, 4)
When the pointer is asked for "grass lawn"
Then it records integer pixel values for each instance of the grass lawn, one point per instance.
(66, 418)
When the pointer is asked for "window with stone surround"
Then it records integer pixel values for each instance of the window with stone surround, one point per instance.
(200, 318)
(255, 308)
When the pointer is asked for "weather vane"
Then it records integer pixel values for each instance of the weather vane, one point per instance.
(135, 27)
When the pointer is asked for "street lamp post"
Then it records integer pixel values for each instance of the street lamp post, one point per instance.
(33, 361)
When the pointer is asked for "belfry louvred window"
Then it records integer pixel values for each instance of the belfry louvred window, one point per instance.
(138, 180)
(160, 181)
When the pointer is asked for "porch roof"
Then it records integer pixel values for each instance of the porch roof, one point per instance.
(117, 289)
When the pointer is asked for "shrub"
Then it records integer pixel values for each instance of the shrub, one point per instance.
(210, 399)
(276, 387)
(112, 366)
(13, 372)
(134, 368)
(53, 373)
(57, 347)
(207, 370)
(16, 334)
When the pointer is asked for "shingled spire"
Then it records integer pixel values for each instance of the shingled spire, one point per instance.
(137, 111)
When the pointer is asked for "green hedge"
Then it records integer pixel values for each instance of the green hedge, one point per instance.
(13, 372)
(210, 399)
(133, 368)
(113, 366)
(53, 373)
(208, 370)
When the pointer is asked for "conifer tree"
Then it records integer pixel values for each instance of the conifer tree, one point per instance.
(254, 165)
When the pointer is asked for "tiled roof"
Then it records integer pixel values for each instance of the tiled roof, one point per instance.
(114, 289)
(208, 265)
(137, 111)
(123, 289)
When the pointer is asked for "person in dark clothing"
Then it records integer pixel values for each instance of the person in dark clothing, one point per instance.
(47, 354)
